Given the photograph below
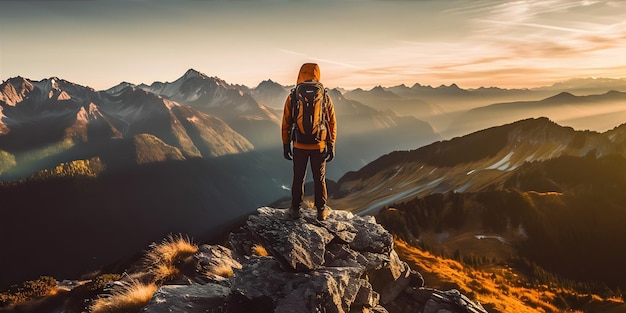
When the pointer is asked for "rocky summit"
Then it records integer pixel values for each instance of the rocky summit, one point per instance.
(346, 263)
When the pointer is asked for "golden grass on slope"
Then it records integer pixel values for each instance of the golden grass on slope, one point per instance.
(495, 289)
(163, 259)
(28, 290)
(129, 297)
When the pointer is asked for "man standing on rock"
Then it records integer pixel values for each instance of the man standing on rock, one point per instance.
(309, 122)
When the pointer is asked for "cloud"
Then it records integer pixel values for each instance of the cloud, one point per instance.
(543, 26)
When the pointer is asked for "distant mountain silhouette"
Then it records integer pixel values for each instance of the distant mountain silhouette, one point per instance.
(585, 86)
(444, 107)
(364, 133)
(271, 94)
(582, 112)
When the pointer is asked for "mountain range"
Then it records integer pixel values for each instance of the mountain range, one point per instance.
(49, 121)
(153, 150)
(90, 177)
(452, 111)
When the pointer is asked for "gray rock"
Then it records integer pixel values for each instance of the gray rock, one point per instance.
(344, 264)
(215, 262)
(263, 277)
(388, 275)
(371, 237)
(339, 223)
(340, 255)
(296, 245)
(366, 297)
(450, 301)
(188, 299)
(331, 290)
(326, 289)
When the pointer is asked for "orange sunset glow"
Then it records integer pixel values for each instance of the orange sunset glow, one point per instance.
(358, 43)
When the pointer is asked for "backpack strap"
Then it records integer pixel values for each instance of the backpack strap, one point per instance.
(325, 114)
(294, 113)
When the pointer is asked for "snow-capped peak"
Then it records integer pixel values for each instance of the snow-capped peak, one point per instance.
(191, 73)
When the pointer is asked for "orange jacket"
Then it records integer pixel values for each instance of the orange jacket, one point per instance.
(309, 71)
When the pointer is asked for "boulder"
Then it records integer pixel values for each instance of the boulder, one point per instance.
(297, 246)
(345, 264)
(215, 262)
(193, 298)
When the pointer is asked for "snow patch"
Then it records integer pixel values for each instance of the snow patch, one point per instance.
(502, 165)
(464, 187)
(481, 237)
(399, 196)
(195, 96)
(522, 231)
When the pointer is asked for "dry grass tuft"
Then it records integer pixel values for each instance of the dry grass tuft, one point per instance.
(224, 271)
(165, 258)
(308, 204)
(127, 297)
(259, 250)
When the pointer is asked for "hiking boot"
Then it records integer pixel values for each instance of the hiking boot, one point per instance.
(323, 213)
(294, 213)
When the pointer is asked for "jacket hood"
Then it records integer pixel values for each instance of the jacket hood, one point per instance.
(309, 71)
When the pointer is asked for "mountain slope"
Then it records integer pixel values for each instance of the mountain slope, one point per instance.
(530, 189)
(231, 103)
(67, 221)
(565, 214)
(469, 163)
(51, 121)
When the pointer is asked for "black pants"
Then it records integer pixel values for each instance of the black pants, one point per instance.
(318, 167)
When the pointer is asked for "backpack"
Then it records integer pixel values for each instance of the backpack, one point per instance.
(308, 103)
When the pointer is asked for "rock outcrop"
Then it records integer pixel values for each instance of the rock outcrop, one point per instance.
(275, 264)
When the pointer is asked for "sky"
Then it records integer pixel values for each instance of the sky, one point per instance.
(357, 43)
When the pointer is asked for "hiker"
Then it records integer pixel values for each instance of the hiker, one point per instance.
(309, 122)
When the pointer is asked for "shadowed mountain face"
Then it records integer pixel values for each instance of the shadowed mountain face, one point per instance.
(532, 189)
(67, 223)
(565, 214)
